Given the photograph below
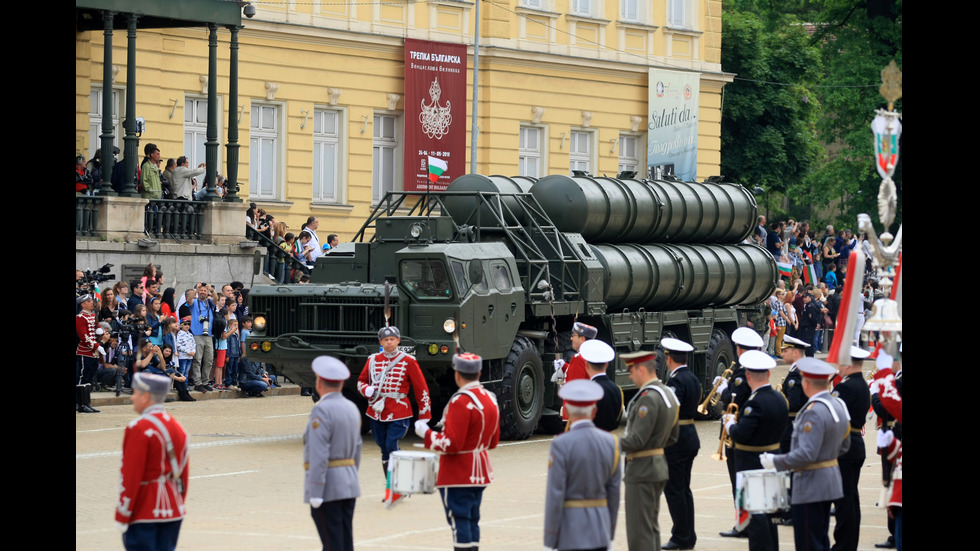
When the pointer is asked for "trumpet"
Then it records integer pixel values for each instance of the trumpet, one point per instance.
(720, 455)
(713, 396)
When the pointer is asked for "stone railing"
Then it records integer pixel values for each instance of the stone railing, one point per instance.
(87, 215)
(174, 219)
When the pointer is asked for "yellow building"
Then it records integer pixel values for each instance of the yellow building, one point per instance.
(563, 84)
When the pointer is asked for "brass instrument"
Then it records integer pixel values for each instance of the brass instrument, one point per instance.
(713, 396)
(725, 440)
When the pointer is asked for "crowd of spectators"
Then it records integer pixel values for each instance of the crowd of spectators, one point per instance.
(154, 180)
(813, 269)
(304, 247)
(197, 337)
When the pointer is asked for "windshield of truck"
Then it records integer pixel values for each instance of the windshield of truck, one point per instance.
(426, 279)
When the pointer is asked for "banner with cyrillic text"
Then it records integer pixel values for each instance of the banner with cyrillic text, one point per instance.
(435, 114)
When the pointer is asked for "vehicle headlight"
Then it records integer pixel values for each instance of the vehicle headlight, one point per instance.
(259, 323)
(449, 326)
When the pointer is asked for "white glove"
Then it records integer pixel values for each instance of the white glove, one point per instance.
(316, 502)
(122, 527)
(728, 419)
(722, 385)
(421, 427)
(368, 391)
(766, 459)
(102, 351)
(885, 438)
(559, 375)
(875, 386)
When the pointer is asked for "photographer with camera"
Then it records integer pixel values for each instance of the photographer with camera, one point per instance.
(202, 311)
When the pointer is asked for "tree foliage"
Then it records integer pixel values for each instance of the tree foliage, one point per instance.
(797, 118)
(857, 41)
(768, 135)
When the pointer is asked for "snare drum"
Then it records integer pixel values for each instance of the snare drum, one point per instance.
(413, 472)
(765, 491)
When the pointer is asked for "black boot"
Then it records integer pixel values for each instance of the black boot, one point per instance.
(182, 394)
(85, 397)
(78, 399)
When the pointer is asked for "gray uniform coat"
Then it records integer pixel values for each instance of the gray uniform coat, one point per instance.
(584, 464)
(820, 433)
(333, 433)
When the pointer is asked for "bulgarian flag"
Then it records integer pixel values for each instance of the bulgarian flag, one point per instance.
(436, 167)
(809, 275)
(785, 269)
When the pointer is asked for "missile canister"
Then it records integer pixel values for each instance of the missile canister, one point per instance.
(463, 209)
(607, 210)
(678, 276)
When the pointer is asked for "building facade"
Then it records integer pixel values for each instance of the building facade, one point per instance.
(563, 85)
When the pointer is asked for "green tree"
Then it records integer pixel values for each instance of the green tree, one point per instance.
(856, 40)
(769, 115)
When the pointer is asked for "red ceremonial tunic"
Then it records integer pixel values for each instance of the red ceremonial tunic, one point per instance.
(148, 491)
(88, 345)
(470, 430)
(574, 369)
(390, 399)
(894, 454)
(891, 400)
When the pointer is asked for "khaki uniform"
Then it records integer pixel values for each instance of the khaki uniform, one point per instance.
(651, 425)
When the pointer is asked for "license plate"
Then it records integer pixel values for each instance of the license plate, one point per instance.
(410, 350)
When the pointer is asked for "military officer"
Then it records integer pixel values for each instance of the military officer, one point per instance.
(153, 479)
(793, 351)
(609, 409)
(756, 429)
(471, 426)
(735, 390)
(680, 456)
(853, 390)
(385, 382)
(584, 472)
(819, 438)
(332, 457)
(651, 425)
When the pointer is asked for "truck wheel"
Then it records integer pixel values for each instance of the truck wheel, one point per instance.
(718, 358)
(521, 391)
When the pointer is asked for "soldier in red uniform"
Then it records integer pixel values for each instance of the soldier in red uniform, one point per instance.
(385, 382)
(471, 426)
(154, 470)
(86, 354)
(576, 367)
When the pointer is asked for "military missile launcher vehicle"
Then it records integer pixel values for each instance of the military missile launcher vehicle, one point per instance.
(502, 267)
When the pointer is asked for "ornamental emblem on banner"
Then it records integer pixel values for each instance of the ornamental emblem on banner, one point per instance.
(435, 118)
(886, 131)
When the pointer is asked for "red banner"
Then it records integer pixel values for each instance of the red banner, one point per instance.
(435, 114)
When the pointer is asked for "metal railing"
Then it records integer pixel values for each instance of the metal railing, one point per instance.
(174, 219)
(86, 215)
(279, 264)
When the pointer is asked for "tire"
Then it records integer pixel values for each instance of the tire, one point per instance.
(521, 391)
(718, 358)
